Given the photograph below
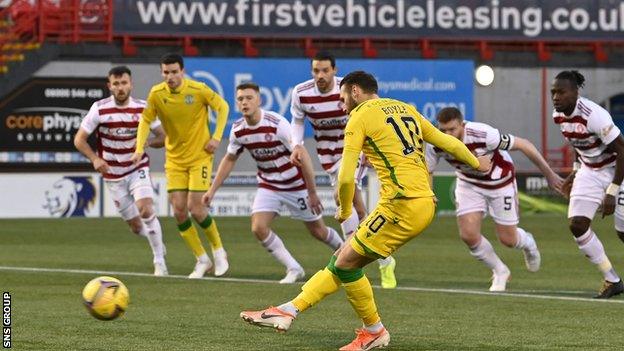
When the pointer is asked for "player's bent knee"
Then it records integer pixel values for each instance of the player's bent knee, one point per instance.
(261, 232)
(135, 225)
(146, 211)
(579, 225)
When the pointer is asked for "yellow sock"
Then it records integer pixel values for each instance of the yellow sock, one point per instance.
(360, 295)
(191, 238)
(210, 228)
(321, 284)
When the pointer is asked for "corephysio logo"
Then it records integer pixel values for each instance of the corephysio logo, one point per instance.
(44, 113)
(50, 124)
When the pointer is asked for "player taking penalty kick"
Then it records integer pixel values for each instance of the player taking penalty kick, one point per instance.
(391, 134)
(182, 106)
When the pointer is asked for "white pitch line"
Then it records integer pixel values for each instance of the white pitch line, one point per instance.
(266, 281)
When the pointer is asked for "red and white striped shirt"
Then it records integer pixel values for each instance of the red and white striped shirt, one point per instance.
(589, 129)
(328, 120)
(268, 142)
(481, 139)
(116, 134)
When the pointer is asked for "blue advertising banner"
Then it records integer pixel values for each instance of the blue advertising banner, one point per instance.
(430, 85)
(408, 19)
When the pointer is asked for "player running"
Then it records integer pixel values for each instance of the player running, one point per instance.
(495, 193)
(182, 106)
(266, 135)
(318, 101)
(391, 134)
(115, 121)
(596, 181)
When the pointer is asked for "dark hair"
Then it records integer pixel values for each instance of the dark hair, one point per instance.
(362, 79)
(119, 71)
(248, 85)
(448, 114)
(171, 58)
(325, 56)
(573, 76)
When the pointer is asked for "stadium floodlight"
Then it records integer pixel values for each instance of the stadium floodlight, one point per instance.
(484, 75)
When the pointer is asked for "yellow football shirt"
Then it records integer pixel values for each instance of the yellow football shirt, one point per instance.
(391, 135)
(184, 116)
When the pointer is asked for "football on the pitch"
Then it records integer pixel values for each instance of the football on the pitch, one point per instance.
(106, 298)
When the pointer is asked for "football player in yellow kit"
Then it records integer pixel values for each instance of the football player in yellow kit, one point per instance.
(182, 105)
(391, 134)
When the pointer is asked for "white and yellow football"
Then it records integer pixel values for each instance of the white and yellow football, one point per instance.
(106, 298)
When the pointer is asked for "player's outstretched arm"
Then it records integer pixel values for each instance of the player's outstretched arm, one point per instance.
(222, 109)
(346, 183)
(308, 176)
(530, 151)
(297, 130)
(147, 117)
(452, 146)
(608, 203)
(81, 144)
(225, 168)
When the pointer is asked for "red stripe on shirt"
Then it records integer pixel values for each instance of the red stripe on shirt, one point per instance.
(329, 151)
(338, 127)
(268, 186)
(601, 163)
(263, 144)
(318, 99)
(118, 151)
(112, 110)
(326, 114)
(575, 119)
(280, 169)
(120, 124)
(259, 130)
(472, 146)
(329, 138)
(117, 176)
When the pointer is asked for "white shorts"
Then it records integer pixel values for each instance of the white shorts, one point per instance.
(360, 173)
(126, 191)
(588, 191)
(501, 204)
(295, 201)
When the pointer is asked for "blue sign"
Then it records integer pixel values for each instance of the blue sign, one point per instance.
(430, 85)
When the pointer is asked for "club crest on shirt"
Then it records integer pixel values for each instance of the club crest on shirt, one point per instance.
(268, 137)
(580, 128)
(189, 99)
(135, 117)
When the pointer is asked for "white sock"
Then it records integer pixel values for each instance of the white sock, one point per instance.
(333, 239)
(289, 307)
(591, 246)
(276, 247)
(525, 241)
(484, 252)
(153, 232)
(384, 261)
(350, 225)
(374, 328)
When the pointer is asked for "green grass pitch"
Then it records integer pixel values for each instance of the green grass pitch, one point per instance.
(441, 303)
